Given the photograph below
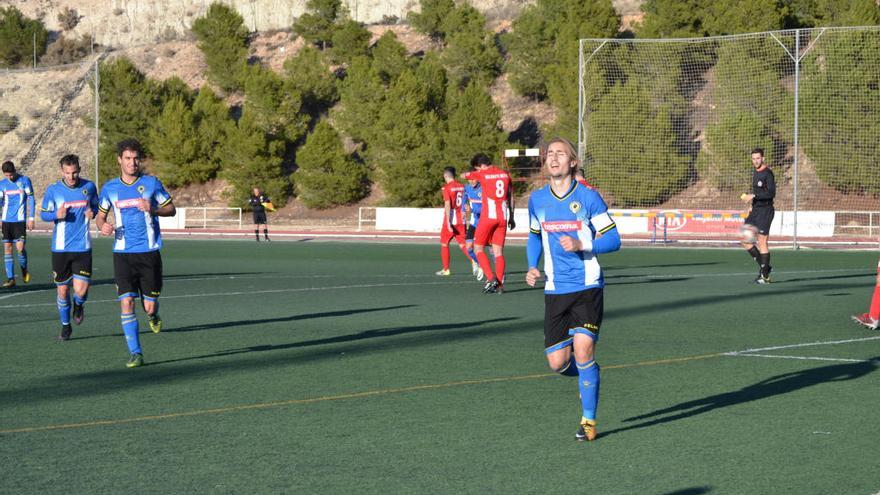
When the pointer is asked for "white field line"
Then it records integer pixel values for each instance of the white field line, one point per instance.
(805, 344)
(755, 352)
(805, 358)
(252, 292)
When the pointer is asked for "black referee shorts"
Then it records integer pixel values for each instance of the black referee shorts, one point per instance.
(14, 231)
(259, 217)
(761, 217)
(564, 312)
(469, 233)
(138, 274)
(65, 266)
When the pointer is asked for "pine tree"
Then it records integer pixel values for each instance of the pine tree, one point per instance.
(350, 40)
(308, 74)
(432, 75)
(318, 24)
(223, 39)
(251, 159)
(327, 176)
(407, 148)
(361, 96)
(175, 143)
(473, 126)
(389, 57)
(214, 124)
(17, 36)
(275, 106)
(430, 19)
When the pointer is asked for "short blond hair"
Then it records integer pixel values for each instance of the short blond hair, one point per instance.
(569, 150)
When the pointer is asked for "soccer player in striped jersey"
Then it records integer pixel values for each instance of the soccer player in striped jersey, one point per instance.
(495, 218)
(471, 208)
(71, 204)
(453, 223)
(565, 220)
(17, 217)
(137, 200)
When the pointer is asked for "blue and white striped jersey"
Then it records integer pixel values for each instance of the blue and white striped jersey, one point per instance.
(136, 231)
(473, 195)
(71, 234)
(580, 214)
(17, 198)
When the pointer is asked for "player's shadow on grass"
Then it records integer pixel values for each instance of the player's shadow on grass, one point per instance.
(308, 316)
(239, 323)
(697, 490)
(111, 380)
(340, 339)
(777, 385)
(827, 277)
(665, 265)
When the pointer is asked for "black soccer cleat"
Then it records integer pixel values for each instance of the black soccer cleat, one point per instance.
(491, 287)
(78, 313)
(66, 332)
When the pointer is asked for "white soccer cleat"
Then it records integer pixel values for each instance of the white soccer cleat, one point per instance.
(443, 273)
(865, 320)
(474, 267)
(479, 273)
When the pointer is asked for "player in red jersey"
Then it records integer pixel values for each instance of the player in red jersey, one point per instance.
(579, 176)
(871, 319)
(453, 223)
(496, 217)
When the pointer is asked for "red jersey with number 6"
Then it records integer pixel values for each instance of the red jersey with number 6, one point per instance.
(496, 191)
(454, 193)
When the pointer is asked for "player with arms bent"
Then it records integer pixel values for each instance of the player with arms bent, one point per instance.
(756, 228)
(565, 219)
(71, 204)
(453, 223)
(19, 209)
(495, 218)
(137, 201)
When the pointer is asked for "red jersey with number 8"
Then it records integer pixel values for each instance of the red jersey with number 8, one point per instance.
(496, 191)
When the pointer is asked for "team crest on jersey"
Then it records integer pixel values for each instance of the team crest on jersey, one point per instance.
(574, 206)
(141, 189)
(85, 192)
(760, 184)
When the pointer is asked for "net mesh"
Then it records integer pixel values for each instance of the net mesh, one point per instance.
(670, 124)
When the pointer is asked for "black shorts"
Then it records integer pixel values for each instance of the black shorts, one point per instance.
(66, 266)
(469, 234)
(761, 217)
(564, 312)
(259, 217)
(138, 274)
(13, 231)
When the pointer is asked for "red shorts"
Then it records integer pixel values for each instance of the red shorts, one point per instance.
(491, 232)
(446, 235)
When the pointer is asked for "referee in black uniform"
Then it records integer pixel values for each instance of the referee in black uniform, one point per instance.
(256, 203)
(756, 229)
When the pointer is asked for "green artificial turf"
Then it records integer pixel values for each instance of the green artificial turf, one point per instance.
(320, 367)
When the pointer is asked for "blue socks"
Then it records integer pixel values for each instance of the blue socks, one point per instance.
(588, 384)
(472, 255)
(22, 259)
(63, 309)
(130, 329)
(571, 369)
(10, 267)
(80, 300)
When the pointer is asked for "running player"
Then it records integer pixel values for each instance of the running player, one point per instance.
(495, 218)
(19, 209)
(470, 208)
(564, 220)
(756, 228)
(453, 223)
(70, 204)
(137, 200)
(871, 319)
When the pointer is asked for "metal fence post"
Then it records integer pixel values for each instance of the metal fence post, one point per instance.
(797, 73)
